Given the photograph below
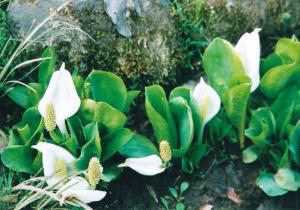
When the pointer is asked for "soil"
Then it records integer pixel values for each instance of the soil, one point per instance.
(211, 184)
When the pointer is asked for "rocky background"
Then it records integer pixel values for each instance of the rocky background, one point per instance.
(149, 41)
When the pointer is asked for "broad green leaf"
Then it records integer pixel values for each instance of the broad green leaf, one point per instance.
(88, 151)
(108, 87)
(193, 156)
(250, 154)
(262, 126)
(288, 179)
(91, 149)
(18, 158)
(186, 94)
(131, 95)
(279, 155)
(109, 117)
(288, 50)
(138, 146)
(221, 63)
(79, 85)
(286, 99)
(26, 97)
(184, 120)
(92, 134)
(267, 183)
(278, 78)
(270, 62)
(47, 67)
(76, 130)
(236, 102)
(160, 116)
(29, 130)
(102, 113)
(294, 145)
(114, 141)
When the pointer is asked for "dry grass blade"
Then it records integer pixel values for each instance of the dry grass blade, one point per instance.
(28, 38)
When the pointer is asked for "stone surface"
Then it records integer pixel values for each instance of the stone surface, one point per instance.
(87, 38)
(231, 18)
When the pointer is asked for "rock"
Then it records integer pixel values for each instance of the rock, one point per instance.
(149, 56)
(229, 19)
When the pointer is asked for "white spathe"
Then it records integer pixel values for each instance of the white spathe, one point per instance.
(148, 166)
(248, 48)
(208, 101)
(62, 93)
(78, 188)
(51, 154)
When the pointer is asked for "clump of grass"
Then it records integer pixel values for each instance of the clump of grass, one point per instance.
(7, 179)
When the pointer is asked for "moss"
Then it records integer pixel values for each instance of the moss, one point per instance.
(231, 18)
(150, 56)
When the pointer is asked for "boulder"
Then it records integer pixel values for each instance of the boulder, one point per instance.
(132, 38)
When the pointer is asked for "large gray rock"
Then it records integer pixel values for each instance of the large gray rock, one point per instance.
(135, 38)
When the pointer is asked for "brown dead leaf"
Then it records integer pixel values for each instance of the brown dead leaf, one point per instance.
(233, 196)
(206, 207)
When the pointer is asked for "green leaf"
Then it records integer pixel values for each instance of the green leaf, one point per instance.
(186, 94)
(262, 126)
(184, 120)
(108, 87)
(278, 78)
(270, 62)
(26, 97)
(109, 117)
(111, 173)
(267, 183)
(250, 154)
(79, 85)
(236, 102)
(287, 179)
(91, 149)
(180, 206)
(192, 158)
(184, 186)
(288, 50)
(29, 130)
(131, 95)
(138, 146)
(114, 141)
(221, 63)
(279, 154)
(164, 202)
(47, 67)
(160, 116)
(101, 112)
(286, 99)
(18, 158)
(294, 145)
(173, 192)
(88, 151)
(76, 130)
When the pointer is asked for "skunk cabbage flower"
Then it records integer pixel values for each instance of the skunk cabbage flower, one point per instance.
(208, 100)
(55, 162)
(94, 171)
(248, 48)
(165, 151)
(148, 166)
(60, 100)
(79, 188)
